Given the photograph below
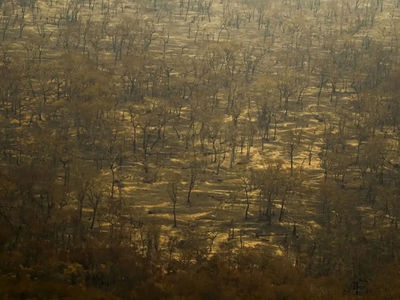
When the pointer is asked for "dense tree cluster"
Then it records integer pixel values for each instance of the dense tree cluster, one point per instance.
(146, 145)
